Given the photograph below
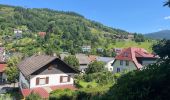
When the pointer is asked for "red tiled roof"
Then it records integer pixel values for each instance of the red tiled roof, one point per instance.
(25, 92)
(42, 34)
(132, 53)
(2, 67)
(43, 93)
(40, 91)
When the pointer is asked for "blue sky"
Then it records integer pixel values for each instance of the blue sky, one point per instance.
(142, 16)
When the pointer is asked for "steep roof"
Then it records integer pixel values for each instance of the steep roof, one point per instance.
(83, 59)
(34, 63)
(2, 67)
(132, 54)
(105, 59)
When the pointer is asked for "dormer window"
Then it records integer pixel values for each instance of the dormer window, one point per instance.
(126, 54)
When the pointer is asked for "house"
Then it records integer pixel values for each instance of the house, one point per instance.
(17, 33)
(3, 76)
(42, 34)
(117, 50)
(100, 50)
(83, 61)
(42, 74)
(130, 36)
(3, 65)
(86, 48)
(132, 59)
(108, 62)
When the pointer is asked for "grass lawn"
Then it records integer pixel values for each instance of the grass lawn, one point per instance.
(85, 84)
(125, 44)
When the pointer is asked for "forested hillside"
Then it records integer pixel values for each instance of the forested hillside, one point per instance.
(164, 34)
(65, 31)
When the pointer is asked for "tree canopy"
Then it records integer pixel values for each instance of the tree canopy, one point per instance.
(96, 66)
(151, 83)
(72, 61)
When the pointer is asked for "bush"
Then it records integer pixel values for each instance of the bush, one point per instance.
(33, 96)
(89, 86)
(65, 94)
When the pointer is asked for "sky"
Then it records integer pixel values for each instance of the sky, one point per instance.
(141, 16)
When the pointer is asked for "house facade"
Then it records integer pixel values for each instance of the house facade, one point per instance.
(44, 72)
(107, 61)
(3, 77)
(132, 59)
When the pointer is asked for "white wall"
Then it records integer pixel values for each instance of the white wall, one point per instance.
(123, 67)
(109, 66)
(23, 80)
(54, 79)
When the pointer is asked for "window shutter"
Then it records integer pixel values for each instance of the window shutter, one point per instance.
(69, 78)
(37, 80)
(47, 80)
(61, 79)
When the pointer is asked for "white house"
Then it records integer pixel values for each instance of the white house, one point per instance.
(132, 59)
(108, 62)
(44, 72)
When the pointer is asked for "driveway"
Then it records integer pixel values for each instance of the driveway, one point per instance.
(7, 87)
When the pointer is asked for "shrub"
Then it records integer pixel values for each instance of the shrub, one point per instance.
(65, 94)
(33, 96)
(89, 86)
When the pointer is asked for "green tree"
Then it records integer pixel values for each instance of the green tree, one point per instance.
(162, 49)
(151, 83)
(12, 70)
(96, 66)
(167, 3)
(72, 61)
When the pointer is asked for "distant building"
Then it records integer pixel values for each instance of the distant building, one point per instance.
(100, 49)
(108, 62)
(83, 61)
(132, 59)
(17, 33)
(117, 50)
(130, 36)
(3, 65)
(86, 48)
(42, 34)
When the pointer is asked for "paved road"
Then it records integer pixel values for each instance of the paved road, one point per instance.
(6, 87)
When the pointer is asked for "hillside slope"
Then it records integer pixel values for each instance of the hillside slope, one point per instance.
(66, 31)
(164, 34)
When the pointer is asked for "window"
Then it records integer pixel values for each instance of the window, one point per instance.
(64, 79)
(42, 81)
(118, 70)
(126, 54)
(127, 63)
(121, 62)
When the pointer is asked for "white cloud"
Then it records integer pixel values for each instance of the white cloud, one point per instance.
(167, 18)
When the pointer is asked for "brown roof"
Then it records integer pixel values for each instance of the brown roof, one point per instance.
(34, 63)
(83, 59)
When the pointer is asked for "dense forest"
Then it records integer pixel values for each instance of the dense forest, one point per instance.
(65, 31)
